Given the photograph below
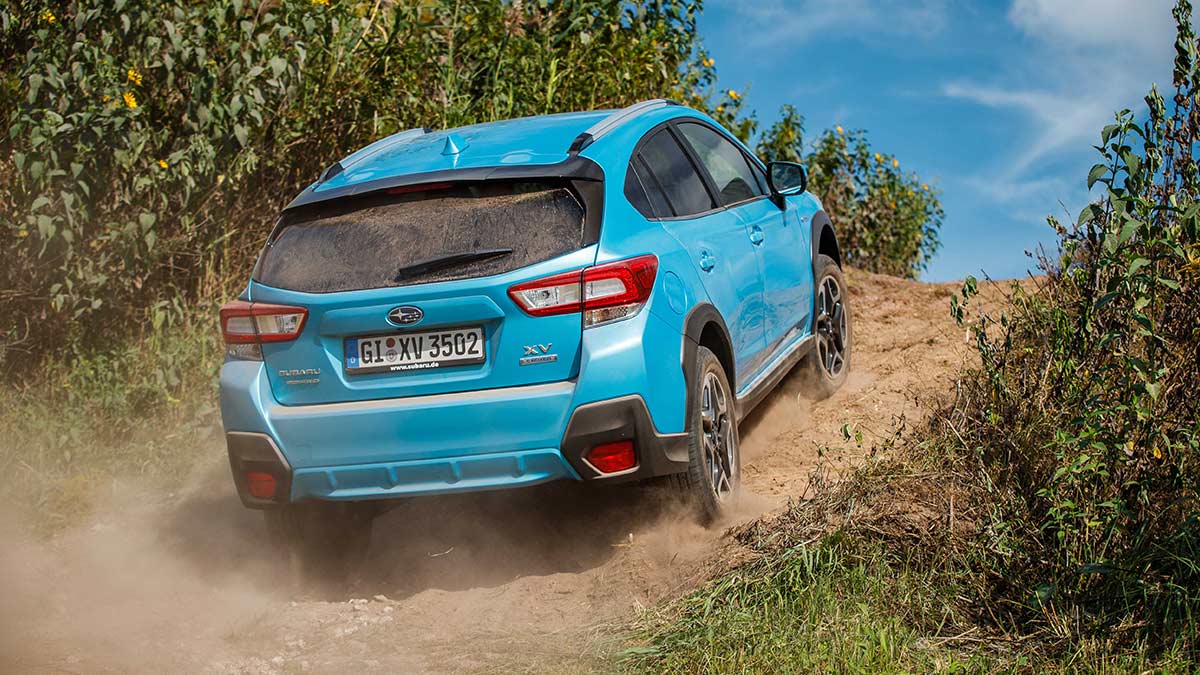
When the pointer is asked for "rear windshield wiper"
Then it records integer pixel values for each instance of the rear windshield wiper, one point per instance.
(449, 260)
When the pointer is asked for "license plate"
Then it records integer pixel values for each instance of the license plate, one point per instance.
(401, 352)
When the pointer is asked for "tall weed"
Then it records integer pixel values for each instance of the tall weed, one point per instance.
(1084, 411)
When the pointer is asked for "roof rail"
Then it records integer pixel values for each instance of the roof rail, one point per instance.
(615, 120)
(379, 145)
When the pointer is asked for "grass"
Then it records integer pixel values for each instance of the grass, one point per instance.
(811, 608)
(142, 410)
(870, 577)
(848, 605)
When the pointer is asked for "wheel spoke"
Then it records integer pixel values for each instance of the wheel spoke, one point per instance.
(830, 327)
(717, 445)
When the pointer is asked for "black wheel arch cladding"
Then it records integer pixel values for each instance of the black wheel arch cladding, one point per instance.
(704, 326)
(824, 239)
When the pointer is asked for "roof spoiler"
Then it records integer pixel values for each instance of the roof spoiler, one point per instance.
(615, 120)
(356, 157)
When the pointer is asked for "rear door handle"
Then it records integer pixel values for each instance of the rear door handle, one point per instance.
(707, 261)
(756, 235)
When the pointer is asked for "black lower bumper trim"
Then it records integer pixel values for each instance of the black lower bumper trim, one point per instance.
(252, 451)
(622, 419)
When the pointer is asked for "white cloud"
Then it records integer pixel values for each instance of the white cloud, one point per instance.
(1127, 24)
(777, 21)
(1060, 120)
(1085, 61)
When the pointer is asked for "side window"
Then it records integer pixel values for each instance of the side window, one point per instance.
(657, 201)
(725, 163)
(635, 192)
(671, 169)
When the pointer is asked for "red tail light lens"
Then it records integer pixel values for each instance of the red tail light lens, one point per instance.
(253, 323)
(612, 457)
(604, 293)
(260, 485)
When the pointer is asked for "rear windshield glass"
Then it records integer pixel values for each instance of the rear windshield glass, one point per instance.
(437, 235)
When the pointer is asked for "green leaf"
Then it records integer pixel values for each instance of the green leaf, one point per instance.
(1095, 174)
(35, 85)
(1089, 213)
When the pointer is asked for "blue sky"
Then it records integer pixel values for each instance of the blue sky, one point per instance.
(996, 103)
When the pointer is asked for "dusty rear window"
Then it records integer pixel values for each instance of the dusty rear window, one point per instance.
(396, 240)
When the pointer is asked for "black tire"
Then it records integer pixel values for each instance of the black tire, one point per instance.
(829, 362)
(320, 541)
(713, 479)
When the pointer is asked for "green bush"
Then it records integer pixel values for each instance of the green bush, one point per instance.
(887, 220)
(151, 142)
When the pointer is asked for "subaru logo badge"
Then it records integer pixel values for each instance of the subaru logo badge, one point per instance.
(404, 315)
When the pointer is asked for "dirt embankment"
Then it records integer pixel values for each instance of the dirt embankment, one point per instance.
(523, 580)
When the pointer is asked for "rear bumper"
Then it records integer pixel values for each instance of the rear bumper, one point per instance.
(470, 441)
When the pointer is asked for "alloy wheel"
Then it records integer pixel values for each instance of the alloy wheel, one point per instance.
(831, 327)
(719, 444)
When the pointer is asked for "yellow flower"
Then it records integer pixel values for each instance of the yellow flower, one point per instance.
(105, 98)
(162, 163)
(1157, 452)
(895, 163)
(22, 233)
(707, 63)
(839, 130)
(878, 158)
(134, 76)
(130, 100)
(734, 95)
(321, 2)
(720, 108)
(924, 186)
(48, 16)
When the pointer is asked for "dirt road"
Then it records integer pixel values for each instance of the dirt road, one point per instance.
(526, 580)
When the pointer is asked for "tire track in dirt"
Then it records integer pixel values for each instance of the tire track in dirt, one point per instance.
(524, 580)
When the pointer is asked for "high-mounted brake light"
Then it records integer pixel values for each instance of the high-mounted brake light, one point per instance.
(604, 293)
(246, 325)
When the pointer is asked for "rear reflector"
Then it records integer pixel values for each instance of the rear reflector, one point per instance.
(612, 457)
(258, 322)
(260, 484)
(604, 293)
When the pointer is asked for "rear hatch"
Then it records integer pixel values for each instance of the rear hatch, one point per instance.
(407, 291)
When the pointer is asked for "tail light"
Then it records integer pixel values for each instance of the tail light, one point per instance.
(604, 293)
(246, 325)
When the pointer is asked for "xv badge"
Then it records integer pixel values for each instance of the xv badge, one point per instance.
(538, 354)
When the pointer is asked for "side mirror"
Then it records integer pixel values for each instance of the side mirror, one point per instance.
(786, 178)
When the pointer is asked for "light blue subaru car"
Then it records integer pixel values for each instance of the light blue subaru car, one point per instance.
(597, 297)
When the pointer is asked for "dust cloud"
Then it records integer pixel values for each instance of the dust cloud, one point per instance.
(142, 585)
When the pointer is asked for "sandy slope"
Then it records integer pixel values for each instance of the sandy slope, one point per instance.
(508, 581)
